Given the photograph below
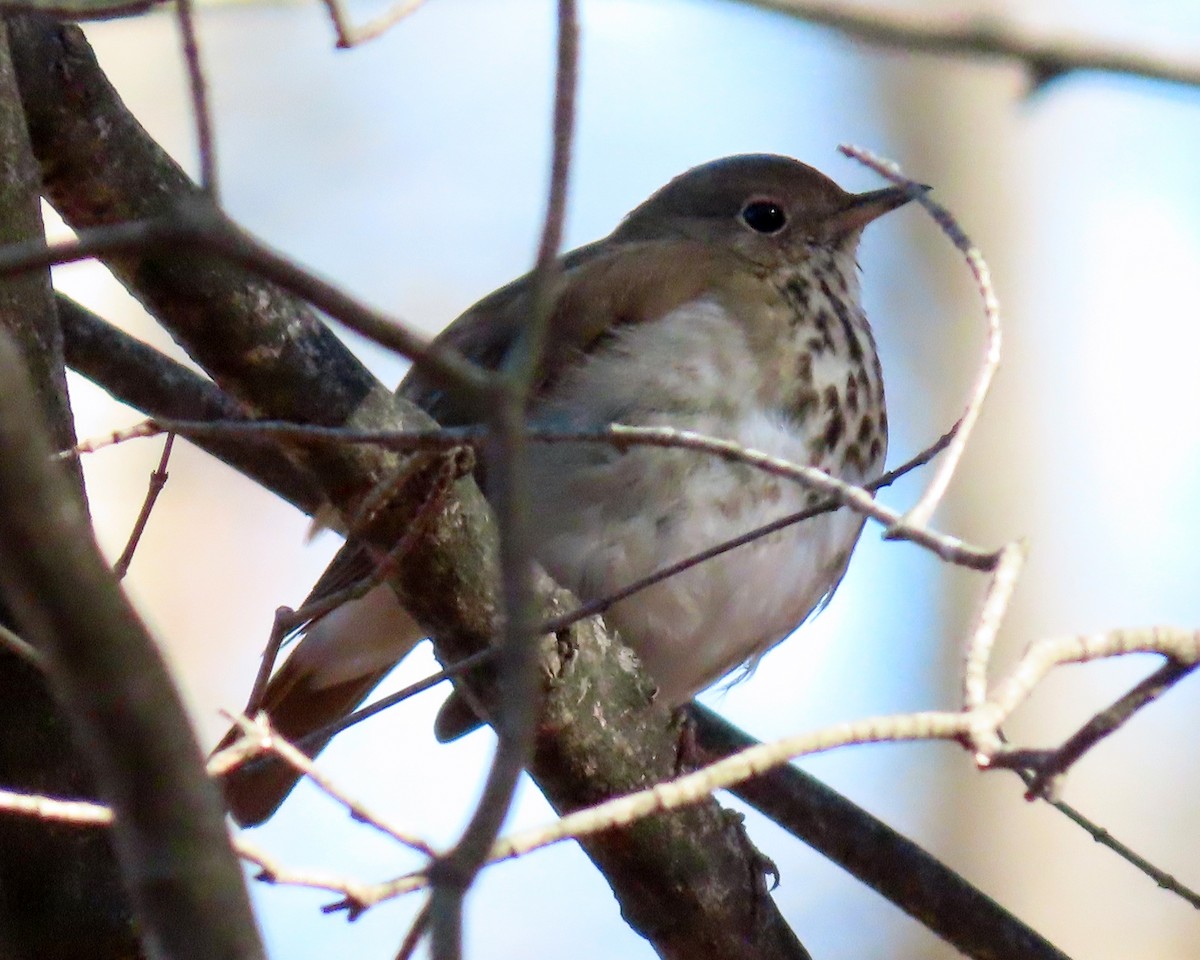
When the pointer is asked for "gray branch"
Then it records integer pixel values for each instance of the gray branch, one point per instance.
(138, 375)
(171, 840)
(80, 905)
(1045, 58)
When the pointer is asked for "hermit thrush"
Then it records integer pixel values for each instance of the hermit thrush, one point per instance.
(727, 304)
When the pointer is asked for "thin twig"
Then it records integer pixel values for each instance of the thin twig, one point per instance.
(285, 621)
(747, 763)
(602, 604)
(288, 621)
(1046, 59)
(78, 812)
(920, 514)
(510, 495)
(445, 365)
(140, 376)
(916, 881)
(333, 729)
(272, 871)
(758, 759)
(1044, 655)
(199, 91)
(129, 237)
(265, 740)
(949, 548)
(522, 365)
(857, 498)
(412, 939)
(197, 224)
(1045, 769)
(964, 727)
(348, 35)
(140, 430)
(987, 625)
(697, 786)
(84, 813)
(158, 480)
(13, 643)
(1164, 880)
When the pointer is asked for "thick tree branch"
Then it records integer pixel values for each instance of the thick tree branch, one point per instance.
(26, 301)
(81, 905)
(170, 832)
(100, 167)
(143, 378)
(918, 883)
(80, 9)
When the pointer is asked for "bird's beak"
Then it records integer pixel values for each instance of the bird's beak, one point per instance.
(862, 208)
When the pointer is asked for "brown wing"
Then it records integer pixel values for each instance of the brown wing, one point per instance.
(296, 707)
(602, 287)
(484, 334)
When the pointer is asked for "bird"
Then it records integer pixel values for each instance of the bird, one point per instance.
(728, 304)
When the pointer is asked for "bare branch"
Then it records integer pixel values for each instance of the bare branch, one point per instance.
(511, 496)
(413, 938)
(260, 739)
(81, 812)
(746, 763)
(966, 726)
(885, 860)
(922, 511)
(198, 225)
(272, 871)
(1046, 58)
(158, 480)
(170, 832)
(1160, 877)
(1046, 769)
(348, 35)
(982, 929)
(979, 646)
(325, 734)
(1042, 656)
(11, 641)
(856, 498)
(199, 90)
(694, 787)
(138, 375)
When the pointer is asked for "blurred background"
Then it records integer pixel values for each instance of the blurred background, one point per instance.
(412, 171)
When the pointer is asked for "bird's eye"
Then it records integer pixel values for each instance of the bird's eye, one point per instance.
(764, 216)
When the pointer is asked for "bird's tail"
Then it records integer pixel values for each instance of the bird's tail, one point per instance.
(335, 666)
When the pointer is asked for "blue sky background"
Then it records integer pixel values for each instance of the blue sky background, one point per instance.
(412, 172)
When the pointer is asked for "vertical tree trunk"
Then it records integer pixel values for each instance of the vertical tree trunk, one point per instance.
(60, 892)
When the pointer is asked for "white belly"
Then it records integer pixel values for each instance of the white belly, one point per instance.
(605, 518)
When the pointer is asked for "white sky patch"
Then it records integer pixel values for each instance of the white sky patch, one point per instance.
(1138, 366)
